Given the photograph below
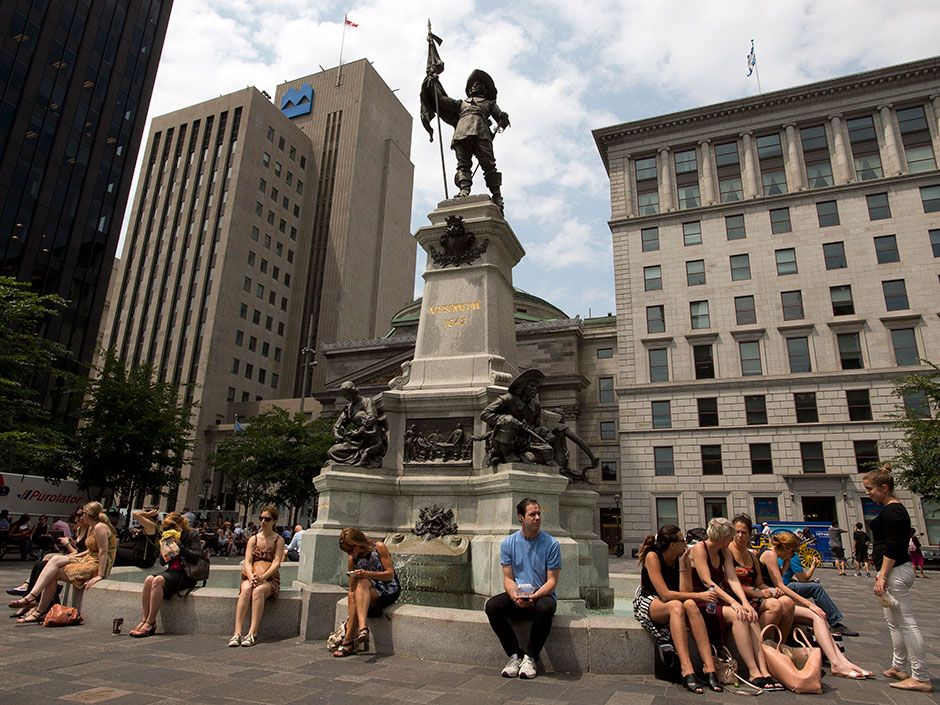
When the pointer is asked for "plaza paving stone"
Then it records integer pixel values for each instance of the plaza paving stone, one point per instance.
(82, 665)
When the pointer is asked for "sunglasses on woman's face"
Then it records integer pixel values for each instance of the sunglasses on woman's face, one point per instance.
(266, 519)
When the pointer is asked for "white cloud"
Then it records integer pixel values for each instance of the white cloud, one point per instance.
(562, 69)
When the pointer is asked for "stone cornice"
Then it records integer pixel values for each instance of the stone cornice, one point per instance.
(805, 97)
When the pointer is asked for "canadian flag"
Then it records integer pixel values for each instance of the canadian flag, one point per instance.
(349, 22)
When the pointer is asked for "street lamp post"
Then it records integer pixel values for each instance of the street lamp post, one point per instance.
(619, 549)
(207, 484)
(308, 351)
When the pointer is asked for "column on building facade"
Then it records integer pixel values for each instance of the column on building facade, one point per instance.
(707, 166)
(749, 172)
(667, 190)
(891, 157)
(932, 109)
(842, 160)
(792, 163)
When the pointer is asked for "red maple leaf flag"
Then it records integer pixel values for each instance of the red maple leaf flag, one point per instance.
(349, 22)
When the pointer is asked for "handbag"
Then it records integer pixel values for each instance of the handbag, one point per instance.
(725, 666)
(798, 654)
(62, 616)
(666, 665)
(804, 679)
(334, 640)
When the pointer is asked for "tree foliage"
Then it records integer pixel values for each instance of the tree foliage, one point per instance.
(274, 459)
(135, 433)
(917, 460)
(31, 440)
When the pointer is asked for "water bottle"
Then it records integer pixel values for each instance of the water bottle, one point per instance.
(711, 607)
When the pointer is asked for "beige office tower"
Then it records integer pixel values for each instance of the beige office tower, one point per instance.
(240, 221)
(776, 269)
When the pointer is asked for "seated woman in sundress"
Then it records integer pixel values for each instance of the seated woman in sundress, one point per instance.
(261, 577)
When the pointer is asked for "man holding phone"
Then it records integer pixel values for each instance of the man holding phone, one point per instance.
(531, 562)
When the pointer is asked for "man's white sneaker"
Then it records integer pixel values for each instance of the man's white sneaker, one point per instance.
(527, 669)
(511, 669)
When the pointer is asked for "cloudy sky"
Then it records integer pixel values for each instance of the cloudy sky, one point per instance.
(562, 68)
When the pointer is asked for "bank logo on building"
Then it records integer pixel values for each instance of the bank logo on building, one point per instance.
(297, 101)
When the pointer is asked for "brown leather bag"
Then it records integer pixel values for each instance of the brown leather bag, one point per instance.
(805, 679)
(61, 616)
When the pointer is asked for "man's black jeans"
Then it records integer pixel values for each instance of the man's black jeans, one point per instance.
(500, 610)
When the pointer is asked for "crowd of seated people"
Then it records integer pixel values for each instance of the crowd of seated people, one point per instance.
(720, 592)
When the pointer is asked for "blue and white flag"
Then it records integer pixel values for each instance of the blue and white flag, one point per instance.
(751, 60)
(238, 427)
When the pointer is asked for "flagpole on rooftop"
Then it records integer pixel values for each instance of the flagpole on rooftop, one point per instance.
(342, 43)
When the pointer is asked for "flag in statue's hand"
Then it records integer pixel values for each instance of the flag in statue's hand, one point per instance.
(435, 67)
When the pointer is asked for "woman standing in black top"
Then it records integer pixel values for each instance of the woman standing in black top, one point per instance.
(891, 531)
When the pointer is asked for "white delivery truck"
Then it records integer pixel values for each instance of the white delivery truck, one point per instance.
(29, 494)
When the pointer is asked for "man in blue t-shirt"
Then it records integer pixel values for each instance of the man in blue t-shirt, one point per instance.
(531, 562)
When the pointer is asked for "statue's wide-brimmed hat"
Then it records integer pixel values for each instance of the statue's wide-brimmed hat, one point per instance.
(523, 378)
(489, 87)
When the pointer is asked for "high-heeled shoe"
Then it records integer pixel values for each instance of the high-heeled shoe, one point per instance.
(692, 684)
(28, 600)
(148, 629)
(713, 683)
(347, 648)
(362, 639)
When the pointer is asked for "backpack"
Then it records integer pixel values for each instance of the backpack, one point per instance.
(198, 571)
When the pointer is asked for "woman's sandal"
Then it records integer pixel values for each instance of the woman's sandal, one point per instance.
(692, 684)
(34, 616)
(148, 629)
(28, 600)
(347, 648)
(362, 639)
(713, 683)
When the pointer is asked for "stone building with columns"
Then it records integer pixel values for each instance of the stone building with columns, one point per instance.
(776, 267)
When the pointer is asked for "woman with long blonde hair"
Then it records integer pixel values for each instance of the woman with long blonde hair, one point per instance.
(82, 569)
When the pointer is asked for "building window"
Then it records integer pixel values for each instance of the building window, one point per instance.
(230, 397)
(828, 213)
(655, 319)
(770, 157)
(755, 410)
(886, 249)
(740, 267)
(859, 404)
(646, 186)
(816, 156)
(744, 311)
(734, 227)
(663, 463)
(715, 507)
(811, 455)
(905, 347)
(252, 343)
(774, 182)
(649, 239)
(806, 411)
(864, 143)
(605, 353)
(687, 179)
(792, 302)
(667, 511)
(249, 370)
(262, 185)
(235, 365)
(850, 351)
(895, 295)
(878, 207)
(695, 272)
(766, 509)
(915, 136)
(605, 389)
(689, 196)
(786, 261)
(780, 221)
(246, 284)
(916, 405)
(730, 189)
(935, 242)
(761, 460)
(608, 430)
(707, 411)
(866, 455)
(239, 337)
(646, 169)
(648, 203)
(692, 233)
(842, 303)
(659, 365)
(704, 361)
(270, 134)
(798, 355)
(834, 255)
(930, 197)
(750, 358)
(653, 278)
(255, 233)
(608, 471)
(698, 310)
(729, 172)
(243, 310)
(711, 460)
(662, 414)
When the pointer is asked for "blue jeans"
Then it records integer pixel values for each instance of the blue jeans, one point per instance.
(817, 593)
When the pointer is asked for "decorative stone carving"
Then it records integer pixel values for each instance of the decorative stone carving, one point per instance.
(458, 247)
(438, 441)
(435, 522)
(360, 430)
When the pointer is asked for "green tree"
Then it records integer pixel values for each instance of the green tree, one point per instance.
(917, 460)
(274, 459)
(135, 433)
(31, 440)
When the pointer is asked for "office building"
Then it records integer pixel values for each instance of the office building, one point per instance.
(776, 269)
(75, 88)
